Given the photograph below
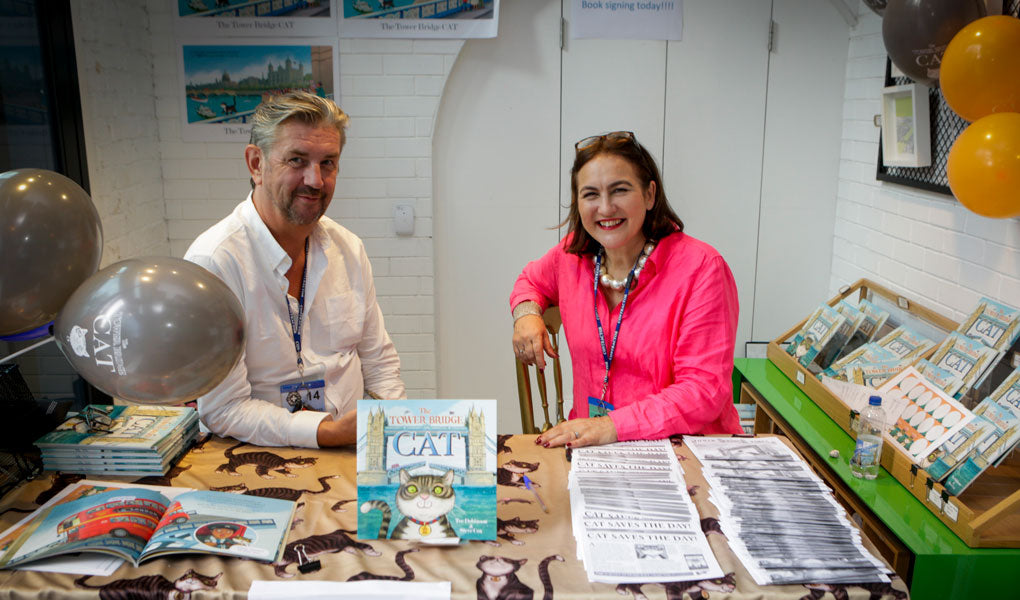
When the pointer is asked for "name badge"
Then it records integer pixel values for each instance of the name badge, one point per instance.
(304, 395)
(599, 408)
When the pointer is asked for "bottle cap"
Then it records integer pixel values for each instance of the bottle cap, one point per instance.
(875, 401)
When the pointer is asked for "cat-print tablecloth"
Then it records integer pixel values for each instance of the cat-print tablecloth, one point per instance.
(534, 557)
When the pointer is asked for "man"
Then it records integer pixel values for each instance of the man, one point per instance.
(315, 336)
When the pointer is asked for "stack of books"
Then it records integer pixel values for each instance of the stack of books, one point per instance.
(120, 440)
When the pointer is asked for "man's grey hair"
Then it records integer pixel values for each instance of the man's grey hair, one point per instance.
(301, 106)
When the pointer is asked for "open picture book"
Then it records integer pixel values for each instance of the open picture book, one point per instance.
(144, 522)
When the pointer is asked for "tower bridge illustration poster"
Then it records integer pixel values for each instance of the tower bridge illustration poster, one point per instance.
(427, 469)
(222, 84)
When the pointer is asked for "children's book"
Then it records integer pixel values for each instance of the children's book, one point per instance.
(854, 319)
(868, 353)
(819, 329)
(946, 458)
(994, 324)
(874, 374)
(929, 418)
(139, 523)
(946, 380)
(874, 319)
(905, 343)
(427, 470)
(997, 441)
(965, 356)
(149, 428)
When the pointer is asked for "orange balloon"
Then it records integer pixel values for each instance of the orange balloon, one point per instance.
(984, 166)
(980, 72)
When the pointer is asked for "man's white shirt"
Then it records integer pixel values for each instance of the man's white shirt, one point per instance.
(343, 340)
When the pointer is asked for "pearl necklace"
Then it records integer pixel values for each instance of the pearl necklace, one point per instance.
(609, 282)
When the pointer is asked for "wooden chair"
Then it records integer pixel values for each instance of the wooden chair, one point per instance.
(552, 324)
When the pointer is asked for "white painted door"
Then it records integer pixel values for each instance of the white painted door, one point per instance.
(496, 186)
(513, 108)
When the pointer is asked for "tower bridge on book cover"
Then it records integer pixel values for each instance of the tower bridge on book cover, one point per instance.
(459, 446)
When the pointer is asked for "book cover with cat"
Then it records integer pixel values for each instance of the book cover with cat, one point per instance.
(142, 522)
(427, 470)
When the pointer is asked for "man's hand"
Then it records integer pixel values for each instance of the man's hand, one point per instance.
(341, 432)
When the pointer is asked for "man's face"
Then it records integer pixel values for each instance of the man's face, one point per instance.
(298, 174)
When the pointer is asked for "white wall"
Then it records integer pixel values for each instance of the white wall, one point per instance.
(923, 245)
(391, 89)
(115, 74)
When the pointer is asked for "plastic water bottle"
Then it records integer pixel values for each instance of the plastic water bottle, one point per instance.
(868, 450)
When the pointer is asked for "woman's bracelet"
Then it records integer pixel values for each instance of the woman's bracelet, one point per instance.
(528, 307)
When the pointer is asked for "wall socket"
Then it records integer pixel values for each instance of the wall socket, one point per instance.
(403, 219)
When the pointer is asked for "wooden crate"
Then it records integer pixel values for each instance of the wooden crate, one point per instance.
(987, 513)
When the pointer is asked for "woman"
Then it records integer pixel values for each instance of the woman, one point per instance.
(649, 312)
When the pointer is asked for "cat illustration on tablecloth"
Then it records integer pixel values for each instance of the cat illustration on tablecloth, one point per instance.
(154, 587)
(309, 548)
(499, 579)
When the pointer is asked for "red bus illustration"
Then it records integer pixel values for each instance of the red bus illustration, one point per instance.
(134, 516)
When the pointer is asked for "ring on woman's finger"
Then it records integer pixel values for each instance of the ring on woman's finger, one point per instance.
(576, 435)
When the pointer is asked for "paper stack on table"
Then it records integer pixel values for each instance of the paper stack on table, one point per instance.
(632, 516)
(780, 518)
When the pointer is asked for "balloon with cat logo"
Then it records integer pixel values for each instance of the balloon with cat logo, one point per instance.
(51, 240)
(154, 330)
(916, 33)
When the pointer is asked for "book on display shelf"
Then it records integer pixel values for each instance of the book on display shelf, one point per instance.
(996, 441)
(427, 470)
(824, 324)
(965, 356)
(138, 523)
(870, 353)
(874, 320)
(906, 343)
(994, 324)
(946, 380)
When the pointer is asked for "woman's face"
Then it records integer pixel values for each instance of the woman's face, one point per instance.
(612, 203)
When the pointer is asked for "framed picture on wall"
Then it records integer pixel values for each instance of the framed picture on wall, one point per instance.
(261, 18)
(441, 19)
(221, 84)
(906, 135)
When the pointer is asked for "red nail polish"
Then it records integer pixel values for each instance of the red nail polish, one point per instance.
(538, 440)
(545, 445)
(567, 444)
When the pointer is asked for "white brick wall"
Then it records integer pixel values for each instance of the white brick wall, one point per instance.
(923, 245)
(115, 74)
(391, 89)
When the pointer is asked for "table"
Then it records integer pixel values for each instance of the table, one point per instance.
(926, 553)
(325, 523)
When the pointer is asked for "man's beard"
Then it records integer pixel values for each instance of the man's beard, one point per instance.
(298, 218)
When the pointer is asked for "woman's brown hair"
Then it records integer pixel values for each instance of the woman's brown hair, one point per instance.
(660, 220)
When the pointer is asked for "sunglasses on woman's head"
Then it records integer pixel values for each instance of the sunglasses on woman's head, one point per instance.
(615, 136)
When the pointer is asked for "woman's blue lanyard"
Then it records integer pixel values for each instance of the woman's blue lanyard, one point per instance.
(295, 324)
(607, 358)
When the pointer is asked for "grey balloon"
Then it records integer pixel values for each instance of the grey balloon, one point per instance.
(154, 330)
(51, 240)
(916, 33)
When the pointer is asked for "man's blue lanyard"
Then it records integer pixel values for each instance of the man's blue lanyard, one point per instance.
(295, 324)
(607, 358)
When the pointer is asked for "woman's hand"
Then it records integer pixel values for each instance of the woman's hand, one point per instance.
(577, 433)
(531, 341)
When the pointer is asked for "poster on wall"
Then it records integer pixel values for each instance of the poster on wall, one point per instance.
(275, 18)
(627, 19)
(221, 84)
(442, 19)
